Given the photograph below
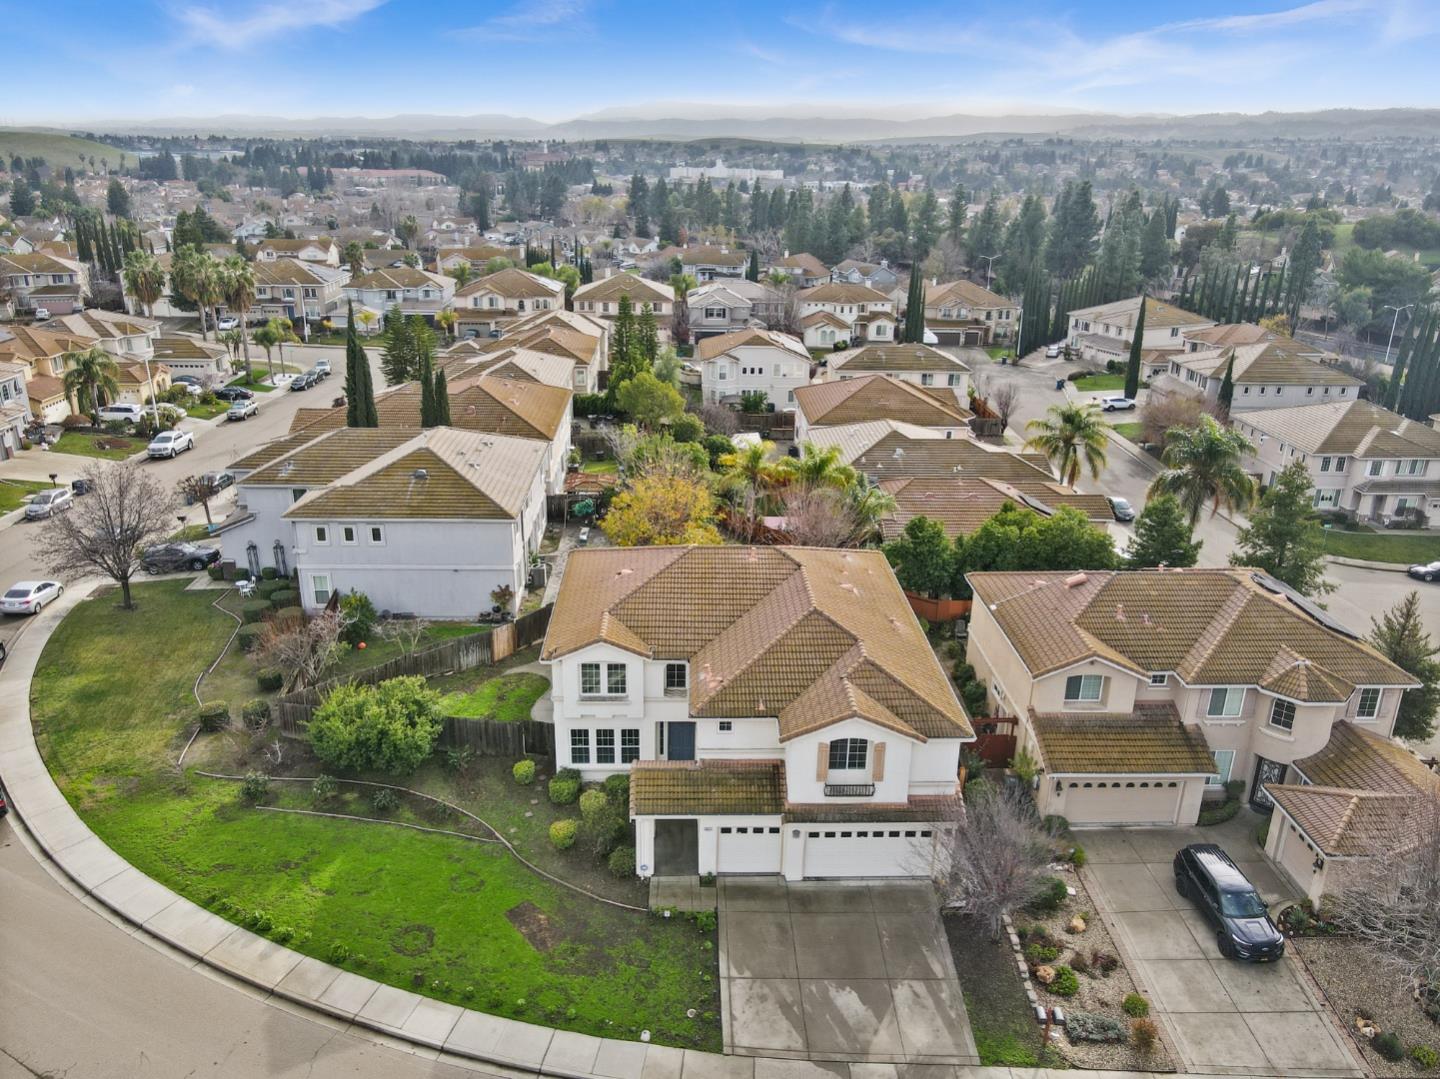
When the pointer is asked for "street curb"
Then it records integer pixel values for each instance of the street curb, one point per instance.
(1360, 563)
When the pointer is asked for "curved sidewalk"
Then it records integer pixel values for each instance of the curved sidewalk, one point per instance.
(388, 1015)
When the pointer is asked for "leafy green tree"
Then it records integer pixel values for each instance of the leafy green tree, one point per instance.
(923, 557)
(648, 401)
(1203, 464)
(1015, 538)
(1283, 537)
(1163, 537)
(1155, 247)
(1074, 224)
(1071, 436)
(22, 199)
(389, 728)
(1137, 346)
(1399, 634)
(983, 237)
(117, 199)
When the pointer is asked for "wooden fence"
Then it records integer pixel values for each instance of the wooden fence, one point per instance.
(498, 738)
(290, 713)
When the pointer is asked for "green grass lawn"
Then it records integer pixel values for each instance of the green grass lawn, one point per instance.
(197, 411)
(59, 150)
(595, 468)
(1404, 548)
(445, 916)
(996, 351)
(1132, 430)
(14, 492)
(109, 447)
(507, 698)
(1000, 1018)
(1094, 383)
(378, 649)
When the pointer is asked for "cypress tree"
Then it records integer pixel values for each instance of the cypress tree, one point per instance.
(427, 391)
(1227, 386)
(914, 328)
(442, 399)
(752, 271)
(1137, 343)
(1402, 358)
(354, 356)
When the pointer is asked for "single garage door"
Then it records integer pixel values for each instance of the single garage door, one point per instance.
(1122, 802)
(868, 851)
(749, 849)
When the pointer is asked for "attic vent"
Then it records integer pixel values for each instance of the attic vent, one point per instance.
(1075, 580)
(420, 474)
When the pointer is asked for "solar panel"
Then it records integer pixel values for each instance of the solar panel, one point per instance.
(1310, 607)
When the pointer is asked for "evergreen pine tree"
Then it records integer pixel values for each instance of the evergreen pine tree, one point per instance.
(442, 399)
(1391, 398)
(1163, 537)
(1227, 387)
(1400, 636)
(914, 327)
(397, 359)
(752, 271)
(1137, 345)
(427, 391)
(353, 406)
(647, 336)
(622, 336)
(1283, 538)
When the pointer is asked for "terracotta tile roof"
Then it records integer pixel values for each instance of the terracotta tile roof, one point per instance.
(963, 503)
(1360, 760)
(1348, 823)
(1231, 333)
(44, 388)
(32, 342)
(636, 287)
(1300, 680)
(272, 451)
(895, 358)
(921, 808)
(710, 347)
(763, 627)
(514, 284)
(806, 263)
(1280, 360)
(1150, 740)
(187, 348)
(823, 318)
(1157, 313)
(520, 364)
(398, 277)
(554, 338)
(876, 397)
(965, 293)
(841, 292)
(725, 787)
(487, 403)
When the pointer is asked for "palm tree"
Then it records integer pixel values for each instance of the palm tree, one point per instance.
(354, 257)
(284, 335)
(237, 286)
(274, 334)
(89, 375)
(366, 318)
(209, 290)
(1202, 464)
(751, 476)
(683, 284)
(462, 273)
(184, 271)
(870, 503)
(819, 468)
(144, 279)
(447, 319)
(1070, 435)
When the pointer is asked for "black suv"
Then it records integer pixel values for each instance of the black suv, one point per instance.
(233, 394)
(170, 557)
(1205, 875)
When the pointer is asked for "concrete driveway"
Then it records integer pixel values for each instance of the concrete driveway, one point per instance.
(1223, 1016)
(846, 971)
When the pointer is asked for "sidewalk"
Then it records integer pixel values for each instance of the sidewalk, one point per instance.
(385, 1014)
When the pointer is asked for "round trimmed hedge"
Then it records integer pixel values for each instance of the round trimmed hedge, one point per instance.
(285, 597)
(266, 589)
(252, 610)
(270, 678)
(213, 715)
(248, 636)
(524, 772)
(269, 573)
(565, 787)
(562, 834)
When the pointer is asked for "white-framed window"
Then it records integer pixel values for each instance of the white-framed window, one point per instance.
(1224, 762)
(320, 588)
(349, 536)
(377, 535)
(1327, 498)
(849, 754)
(605, 747)
(629, 744)
(1375, 468)
(1325, 464)
(1367, 706)
(927, 380)
(322, 536)
(1159, 679)
(1282, 714)
(726, 726)
(579, 747)
(676, 679)
(589, 679)
(615, 679)
(952, 380)
(1340, 463)
(1225, 701)
(1084, 687)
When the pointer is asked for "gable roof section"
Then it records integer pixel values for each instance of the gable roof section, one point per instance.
(514, 284)
(963, 292)
(841, 292)
(1151, 740)
(1278, 361)
(710, 347)
(315, 458)
(876, 397)
(486, 403)
(1362, 760)
(873, 358)
(661, 788)
(639, 290)
(963, 503)
(1354, 428)
(1348, 823)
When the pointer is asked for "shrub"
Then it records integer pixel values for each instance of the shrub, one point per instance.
(622, 861)
(1055, 824)
(1041, 953)
(270, 678)
(384, 800)
(1088, 1027)
(249, 636)
(592, 803)
(618, 787)
(216, 572)
(1079, 964)
(565, 787)
(252, 610)
(285, 597)
(1425, 1057)
(1135, 1006)
(562, 833)
(1066, 984)
(255, 786)
(705, 920)
(976, 789)
(459, 758)
(255, 712)
(1144, 1033)
(269, 573)
(391, 727)
(267, 588)
(323, 789)
(212, 715)
(1077, 857)
(524, 772)
(1053, 892)
(1218, 813)
(359, 616)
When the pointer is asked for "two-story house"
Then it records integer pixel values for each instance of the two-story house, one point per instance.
(1139, 692)
(523, 364)
(875, 397)
(709, 262)
(296, 290)
(832, 313)
(414, 291)
(964, 313)
(582, 338)
(752, 361)
(778, 709)
(491, 302)
(322, 250)
(38, 279)
(601, 299)
(1104, 332)
(880, 276)
(1364, 460)
(804, 269)
(1273, 373)
(476, 256)
(15, 415)
(920, 364)
(734, 304)
(126, 337)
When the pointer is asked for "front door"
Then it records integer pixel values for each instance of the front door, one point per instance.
(1266, 771)
(680, 742)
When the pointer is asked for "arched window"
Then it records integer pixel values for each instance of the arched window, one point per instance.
(848, 754)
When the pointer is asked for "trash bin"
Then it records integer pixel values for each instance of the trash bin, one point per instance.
(1059, 383)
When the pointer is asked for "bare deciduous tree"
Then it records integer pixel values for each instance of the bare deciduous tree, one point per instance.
(1166, 410)
(405, 633)
(125, 511)
(1002, 397)
(199, 489)
(719, 420)
(822, 517)
(995, 860)
(304, 650)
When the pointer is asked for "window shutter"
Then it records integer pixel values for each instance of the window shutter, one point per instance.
(822, 762)
(877, 773)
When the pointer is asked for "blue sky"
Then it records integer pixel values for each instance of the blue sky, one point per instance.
(72, 62)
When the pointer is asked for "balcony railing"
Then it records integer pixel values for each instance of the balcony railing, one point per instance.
(849, 790)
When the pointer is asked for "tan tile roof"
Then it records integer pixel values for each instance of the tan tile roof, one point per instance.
(555, 338)
(719, 787)
(107, 325)
(886, 448)
(287, 271)
(895, 358)
(962, 504)
(823, 318)
(273, 451)
(841, 292)
(1150, 740)
(806, 263)
(397, 277)
(521, 364)
(1276, 362)
(513, 284)
(1361, 760)
(877, 397)
(500, 406)
(320, 457)
(708, 255)
(921, 808)
(1355, 428)
(710, 347)
(187, 348)
(1348, 823)
(636, 287)
(44, 388)
(966, 293)
(1232, 333)
(1157, 313)
(32, 342)
(762, 627)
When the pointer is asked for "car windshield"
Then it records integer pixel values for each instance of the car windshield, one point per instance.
(1242, 905)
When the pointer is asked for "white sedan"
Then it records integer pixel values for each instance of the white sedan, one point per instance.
(229, 322)
(1117, 404)
(28, 597)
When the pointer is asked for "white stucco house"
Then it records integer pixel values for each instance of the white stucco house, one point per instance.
(922, 365)
(832, 312)
(749, 361)
(1104, 332)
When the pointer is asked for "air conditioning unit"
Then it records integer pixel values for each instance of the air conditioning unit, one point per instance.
(539, 574)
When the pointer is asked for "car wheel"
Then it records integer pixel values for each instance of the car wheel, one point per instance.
(1181, 886)
(1227, 947)
(197, 565)
(154, 571)
(37, 608)
(1429, 576)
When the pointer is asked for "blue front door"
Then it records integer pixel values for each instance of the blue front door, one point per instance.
(680, 742)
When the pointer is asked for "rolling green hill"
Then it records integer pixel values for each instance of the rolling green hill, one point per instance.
(58, 149)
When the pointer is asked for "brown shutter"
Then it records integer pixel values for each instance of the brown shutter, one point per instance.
(877, 773)
(822, 762)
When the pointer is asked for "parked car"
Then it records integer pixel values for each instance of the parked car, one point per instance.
(234, 393)
(229, 322)
(28, 597)
(189, 380)
(323, 366)
(1121, 508)
(120, 412)
(170, 444)
(584, 539)
(242, 410)
(42, 314)
(302, 382)
(1427, 571)
(316, 376)
(48, 503)
(1052, 352)
(1206, 876)
(81, 486)
(1117, 404)
(174, 412)
(218, 480)
(171, 557)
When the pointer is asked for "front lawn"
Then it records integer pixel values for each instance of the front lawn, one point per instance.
(13, 493)
(197, 411)
(1133, 430)
(109, 447)
(1095, 383)
(508, 698)
(1000, 1018)
(1403, 548)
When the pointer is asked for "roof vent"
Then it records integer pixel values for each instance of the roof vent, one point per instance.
(1119, 612)
(420, 474)
(1075, 580)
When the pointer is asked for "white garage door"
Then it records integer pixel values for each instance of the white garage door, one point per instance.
(749, 849)
(868, 851)
(1122, 802)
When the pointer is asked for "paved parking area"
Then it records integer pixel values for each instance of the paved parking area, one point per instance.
(1223, 1016)
(846, 971)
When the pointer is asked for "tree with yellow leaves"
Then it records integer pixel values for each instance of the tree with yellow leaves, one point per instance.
(662, 508)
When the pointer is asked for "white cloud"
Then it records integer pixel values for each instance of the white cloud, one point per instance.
(528, 21)
(235, 27)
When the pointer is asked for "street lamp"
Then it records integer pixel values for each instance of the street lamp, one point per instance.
(989, 265)
(1394, 322)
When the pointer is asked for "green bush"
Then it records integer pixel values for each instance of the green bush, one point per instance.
(255, 712)
(622, 861)
(391, 727)
(255, 786)
(592, 802)
(1052, 896)
(1066, 983)
(524, 772)
(1055, 824)
(1388, 1046)
(1041, 953)
(564, 789)
(247, 637)
(1088, 1027)
(1077, 856)
(252, 610)
(1425, 1057)
(212, 715)
(1218, 812)
(269, 573)
(266, 589)
(285, 597)
(384, 800)
(323, 789)
(978, 788)
(562, 833)
(705, 920)
(618, 787)
(270, 678)
(216, 572)
(1135, 1006)
(359, 615)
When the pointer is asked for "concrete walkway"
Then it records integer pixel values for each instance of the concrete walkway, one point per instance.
(365, 1008)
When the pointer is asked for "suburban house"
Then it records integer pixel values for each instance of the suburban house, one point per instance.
(299, 291)
(804, 269)
(733, 304)
(523, 364)
(875, 397)
(192, 356)
(126, 337)
(584, 339)
(708, 262)
(476, 256)
(920, 364)
(752, 361)
(49, 402)
(1140, 692)
(964, 313)
(1103, 332)
(140, 383)
(415, 292)
(778, 709)
(1267, 374)
(879, 276)
(1364, 460)
(15, 415)
(323, 251)
(489, 303)
(830, 313)
(601, 299)
(38, 279)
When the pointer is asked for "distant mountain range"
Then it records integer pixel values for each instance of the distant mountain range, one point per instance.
(796, 124)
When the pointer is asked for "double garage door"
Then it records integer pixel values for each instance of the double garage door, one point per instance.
(1122, 802)
(868, 851)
